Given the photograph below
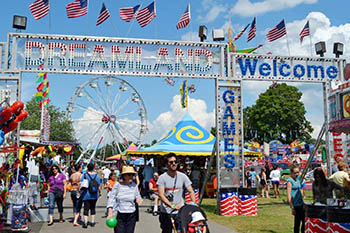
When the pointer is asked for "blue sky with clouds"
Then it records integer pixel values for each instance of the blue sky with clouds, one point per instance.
(328, 22)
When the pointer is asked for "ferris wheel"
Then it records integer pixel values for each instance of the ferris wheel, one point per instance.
(107, 113)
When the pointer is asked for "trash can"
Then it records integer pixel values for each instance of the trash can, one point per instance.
(247, 202)
(228, 201)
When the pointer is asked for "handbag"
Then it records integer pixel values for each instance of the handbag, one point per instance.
(58, 192)
(69, 187)
(137, 211)
(85, 183)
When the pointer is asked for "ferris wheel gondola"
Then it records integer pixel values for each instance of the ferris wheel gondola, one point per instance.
(107, 113)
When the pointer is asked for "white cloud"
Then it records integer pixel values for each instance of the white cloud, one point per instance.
(190, 36)
(90, 129)
(28, 89)
(213, 13)
(248, 8)
(321, 29)
(90, 124)
(197, 108)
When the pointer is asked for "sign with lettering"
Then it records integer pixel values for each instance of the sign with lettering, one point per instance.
(230, 135)
(114, 56)
(274, 68)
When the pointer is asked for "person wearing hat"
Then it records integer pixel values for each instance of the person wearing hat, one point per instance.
(197, 223)
(122, 202)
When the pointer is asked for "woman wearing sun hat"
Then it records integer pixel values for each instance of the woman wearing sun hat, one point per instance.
(122, 201)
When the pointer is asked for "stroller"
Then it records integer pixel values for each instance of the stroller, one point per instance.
(187, 217)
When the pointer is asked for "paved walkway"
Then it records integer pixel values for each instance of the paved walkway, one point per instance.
(147, 224)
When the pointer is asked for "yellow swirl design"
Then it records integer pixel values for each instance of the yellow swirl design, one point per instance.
(170, 134)
(178, 136)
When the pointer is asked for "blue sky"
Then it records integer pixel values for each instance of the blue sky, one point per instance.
(327, 22)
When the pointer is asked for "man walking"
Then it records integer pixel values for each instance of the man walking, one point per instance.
(106, 172)
(147, 175)
(170, 188)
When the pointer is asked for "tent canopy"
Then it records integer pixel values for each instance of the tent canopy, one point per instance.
(186, 138)
(132, 147)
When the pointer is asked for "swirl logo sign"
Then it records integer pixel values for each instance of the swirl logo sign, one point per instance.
(193, 135)
(346, 105)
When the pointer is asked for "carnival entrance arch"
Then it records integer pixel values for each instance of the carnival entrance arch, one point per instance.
(65, 54)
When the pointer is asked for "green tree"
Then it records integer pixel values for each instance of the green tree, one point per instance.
(277, 114)
(61, 128)
(213, 131)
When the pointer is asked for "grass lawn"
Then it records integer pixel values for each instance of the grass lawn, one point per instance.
(274, 216)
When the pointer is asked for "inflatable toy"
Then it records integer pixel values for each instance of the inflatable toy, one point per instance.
(112, 222)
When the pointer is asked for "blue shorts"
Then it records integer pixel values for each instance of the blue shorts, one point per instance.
(275, 182)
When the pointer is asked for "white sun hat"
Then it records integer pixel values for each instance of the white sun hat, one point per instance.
(197, 216)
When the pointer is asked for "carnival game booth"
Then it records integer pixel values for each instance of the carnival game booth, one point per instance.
(121, 158)
(335, 216)
(189, 140)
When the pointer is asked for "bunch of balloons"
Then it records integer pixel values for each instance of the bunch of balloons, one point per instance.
(10, 117)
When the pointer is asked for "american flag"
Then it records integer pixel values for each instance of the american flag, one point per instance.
(104, 14)
(277, 32)
(146, 15)
(185, 19)
(77, 8)
(128, 13)
(39, 8)
(241, 33)
(252, 30)
(304, 32)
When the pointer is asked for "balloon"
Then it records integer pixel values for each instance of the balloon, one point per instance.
(16, 107)
(22, 116)
(2, 137)
(112, 222)
(20, 156)
(5, 114)
(13, 125)
(46, 201)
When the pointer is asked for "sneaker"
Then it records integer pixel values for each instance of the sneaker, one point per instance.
(85, 225)
(92, 224)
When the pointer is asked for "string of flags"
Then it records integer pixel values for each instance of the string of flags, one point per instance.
(78, 8)
(144, 16)
(42, 96)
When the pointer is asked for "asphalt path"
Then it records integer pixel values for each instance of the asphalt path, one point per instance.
(147, 224)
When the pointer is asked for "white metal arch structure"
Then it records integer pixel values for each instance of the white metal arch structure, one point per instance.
(107, 113)
(68, 54)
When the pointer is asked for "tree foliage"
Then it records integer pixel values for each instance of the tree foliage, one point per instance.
(61, 128)
(277, 114)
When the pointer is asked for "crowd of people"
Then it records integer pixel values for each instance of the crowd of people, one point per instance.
(324, 187)
(126, 188)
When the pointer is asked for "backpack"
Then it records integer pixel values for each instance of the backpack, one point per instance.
(93, 184)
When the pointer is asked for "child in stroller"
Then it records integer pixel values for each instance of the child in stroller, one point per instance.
(193, 220)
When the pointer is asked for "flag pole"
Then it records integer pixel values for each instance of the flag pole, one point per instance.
(191, 25)
(310, 39)
(113, 25)
(132, 23)
(155, 24)
(256, 40)
(49, 17)
(87, 18)
(287, 37)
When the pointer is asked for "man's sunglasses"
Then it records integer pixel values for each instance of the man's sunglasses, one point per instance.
(172, 162)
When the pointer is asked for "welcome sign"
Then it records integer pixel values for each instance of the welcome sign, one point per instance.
(115, 56)
(282, 68)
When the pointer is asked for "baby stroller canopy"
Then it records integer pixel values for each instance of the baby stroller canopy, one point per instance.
(185, 217)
